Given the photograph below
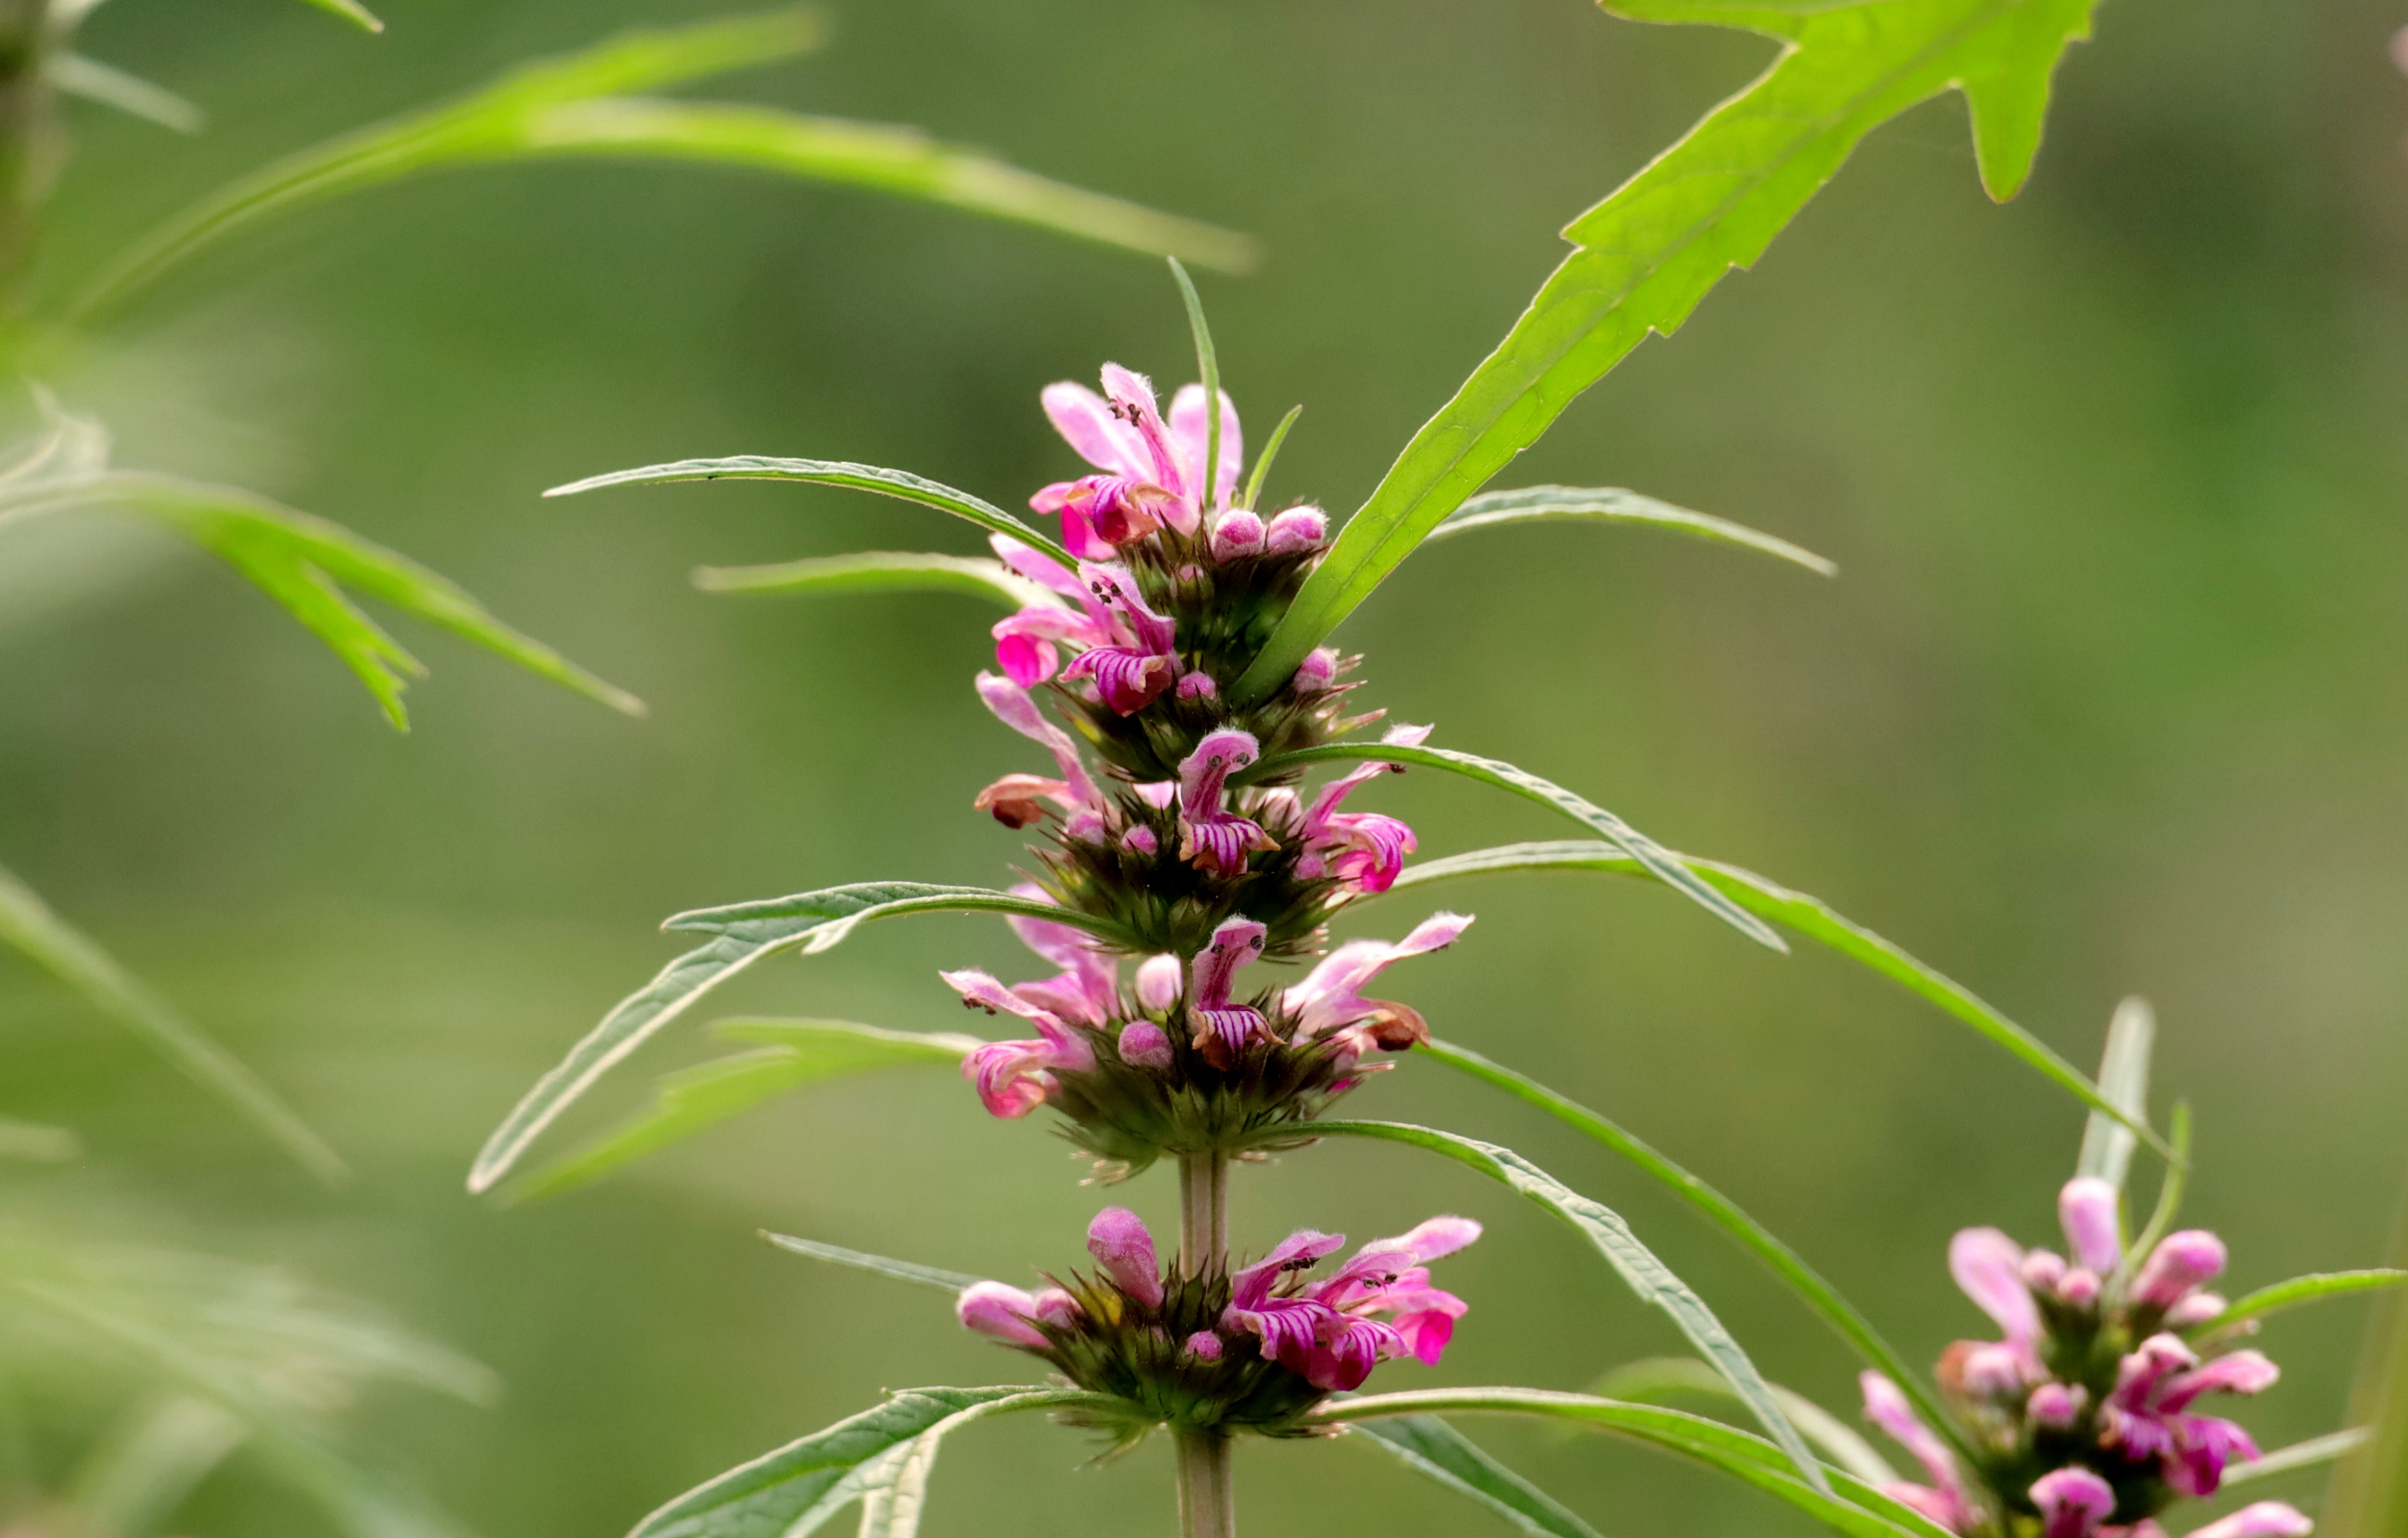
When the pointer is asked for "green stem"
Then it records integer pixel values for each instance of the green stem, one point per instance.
(30, 146)
(1207, 1505)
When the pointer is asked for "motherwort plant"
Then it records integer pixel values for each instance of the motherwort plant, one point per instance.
(1202, 801)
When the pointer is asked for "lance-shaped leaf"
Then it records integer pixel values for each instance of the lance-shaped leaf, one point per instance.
(2303, 1289)
(1808, 916)
(877, 1265)
(1644, 257)
(2124, 1079)
(1436, 1451)
(880, 571)
(579, 105)
(1659, 862)
(76, 76)
(1632, 1260)
(1613, 504)
(351, 11)
(1651, 1380)
(697, 1099)
(1839, 1500)
(792, 1492)
(1720, 1210)
(895, 1489)
(2315, 1453)
(305, 562)
(28, 925)
(900, 484)
(742, 936)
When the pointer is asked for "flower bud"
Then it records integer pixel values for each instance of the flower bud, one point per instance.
(2091, 1211)
(1002, 1311)
(1141, 839)
(2265, 1519)
(1297, 530)
(2197, 1309)
(1197, 685)
(1144, 1045)
(1158, 981)
(2180, 1263)
(1237, 533)
(2073, 1503)
(2043, 1270)
(1119, 1242)
(1203, 1346)
(1317, 671)
(2056, 1405)
(2079, 1287)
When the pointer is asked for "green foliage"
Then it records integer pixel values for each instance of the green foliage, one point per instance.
(28, 925)
(1613, 504)
(1649, 254)
(791, 1491)
(577, 106)
(879, 571)
(1658, 1377)
(1659, 862)
(742, 935)
(349, 11)
(1719, 1210)
(697, 1099)
(95, 81)
(1436, 1450)
(1633, 1262)
(2124, 1079)
(1834, 1498)
(900, 484)
(1808, 916)
(2315, 1453)
(879, 1265)
(2304, 1289)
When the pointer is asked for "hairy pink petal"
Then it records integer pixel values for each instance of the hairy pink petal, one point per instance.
(1158, 981)
(1145, 1045)
(1988, 1266)
(1885, 1406)
(1297, 530)
(1086, 423)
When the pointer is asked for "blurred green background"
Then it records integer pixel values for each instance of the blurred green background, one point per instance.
(2106, 700)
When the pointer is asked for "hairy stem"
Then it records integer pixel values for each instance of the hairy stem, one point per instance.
(1207, 1505)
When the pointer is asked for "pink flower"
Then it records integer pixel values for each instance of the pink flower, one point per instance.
(2264, 1519)
(1133, 669)
(1152, 472)
(1331, 1331)
(1223, 1029)
(1016, 795)
(1010, 1315)
(1943, 1500)
(1365, 849)
(2180, 1263)
(1014, 1077)
(2073, 1503)
(1329, 1000)
(1024, 642)
(2146, 1415)
(1989, 1267)
(1119, 1242)
(1209, 834)
(1088, 991)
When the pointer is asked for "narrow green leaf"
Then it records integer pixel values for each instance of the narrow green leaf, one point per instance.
(697, 1099)
(791, 1493)
(1649, 1381)
(1809, 917)
(1844, 1503)
(1436, 1451)
(1613, 504)
(131, 95)
(900, 484)
(1646, 256)
(1660, 862)
(349, 11)
(2124, 1079)
(881, 157)
(304, 562)
(27, 924)
(1611, 1237)
(903, 1271)
(31, 1140)
(2303, 1289)
(1800, 1278)
(895, 1489)
(142, 1470)
(1207, 372)
(742, 936)
(2170, 1195)
(1270, 452)
(2314, 1453)
(879, 571)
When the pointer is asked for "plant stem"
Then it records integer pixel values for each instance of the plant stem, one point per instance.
(1207, 1507)
(29, 131)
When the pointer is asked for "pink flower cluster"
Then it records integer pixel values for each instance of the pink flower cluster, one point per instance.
(2044, 1393)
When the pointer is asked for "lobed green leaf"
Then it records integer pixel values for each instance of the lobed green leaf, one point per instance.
(1632, 1260)
(1809, 917)
(1613, 504)
(880, 571)
(1659, 862)
(900, 484)
(1436, 1451)
(29, 926)
(742, 936)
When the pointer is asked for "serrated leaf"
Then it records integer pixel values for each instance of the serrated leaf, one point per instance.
(877, 1265)
(580, 105)
(304, 562)
(1613, 504)
(108, 86)
(1800, 1278)
(697, 1099)
(2314, 1453)
(880, 571)
(2302, 1290)
(1659, 862)
(1645, 257)
(1632, 1260)
(900, 484)
(742, 935)
(349, 11)
(28, 925)
(2124, 1079)
(792, 1492)
(1809, 917)
(1647, 1381)
(1436, 1451)
(1843, 1503)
